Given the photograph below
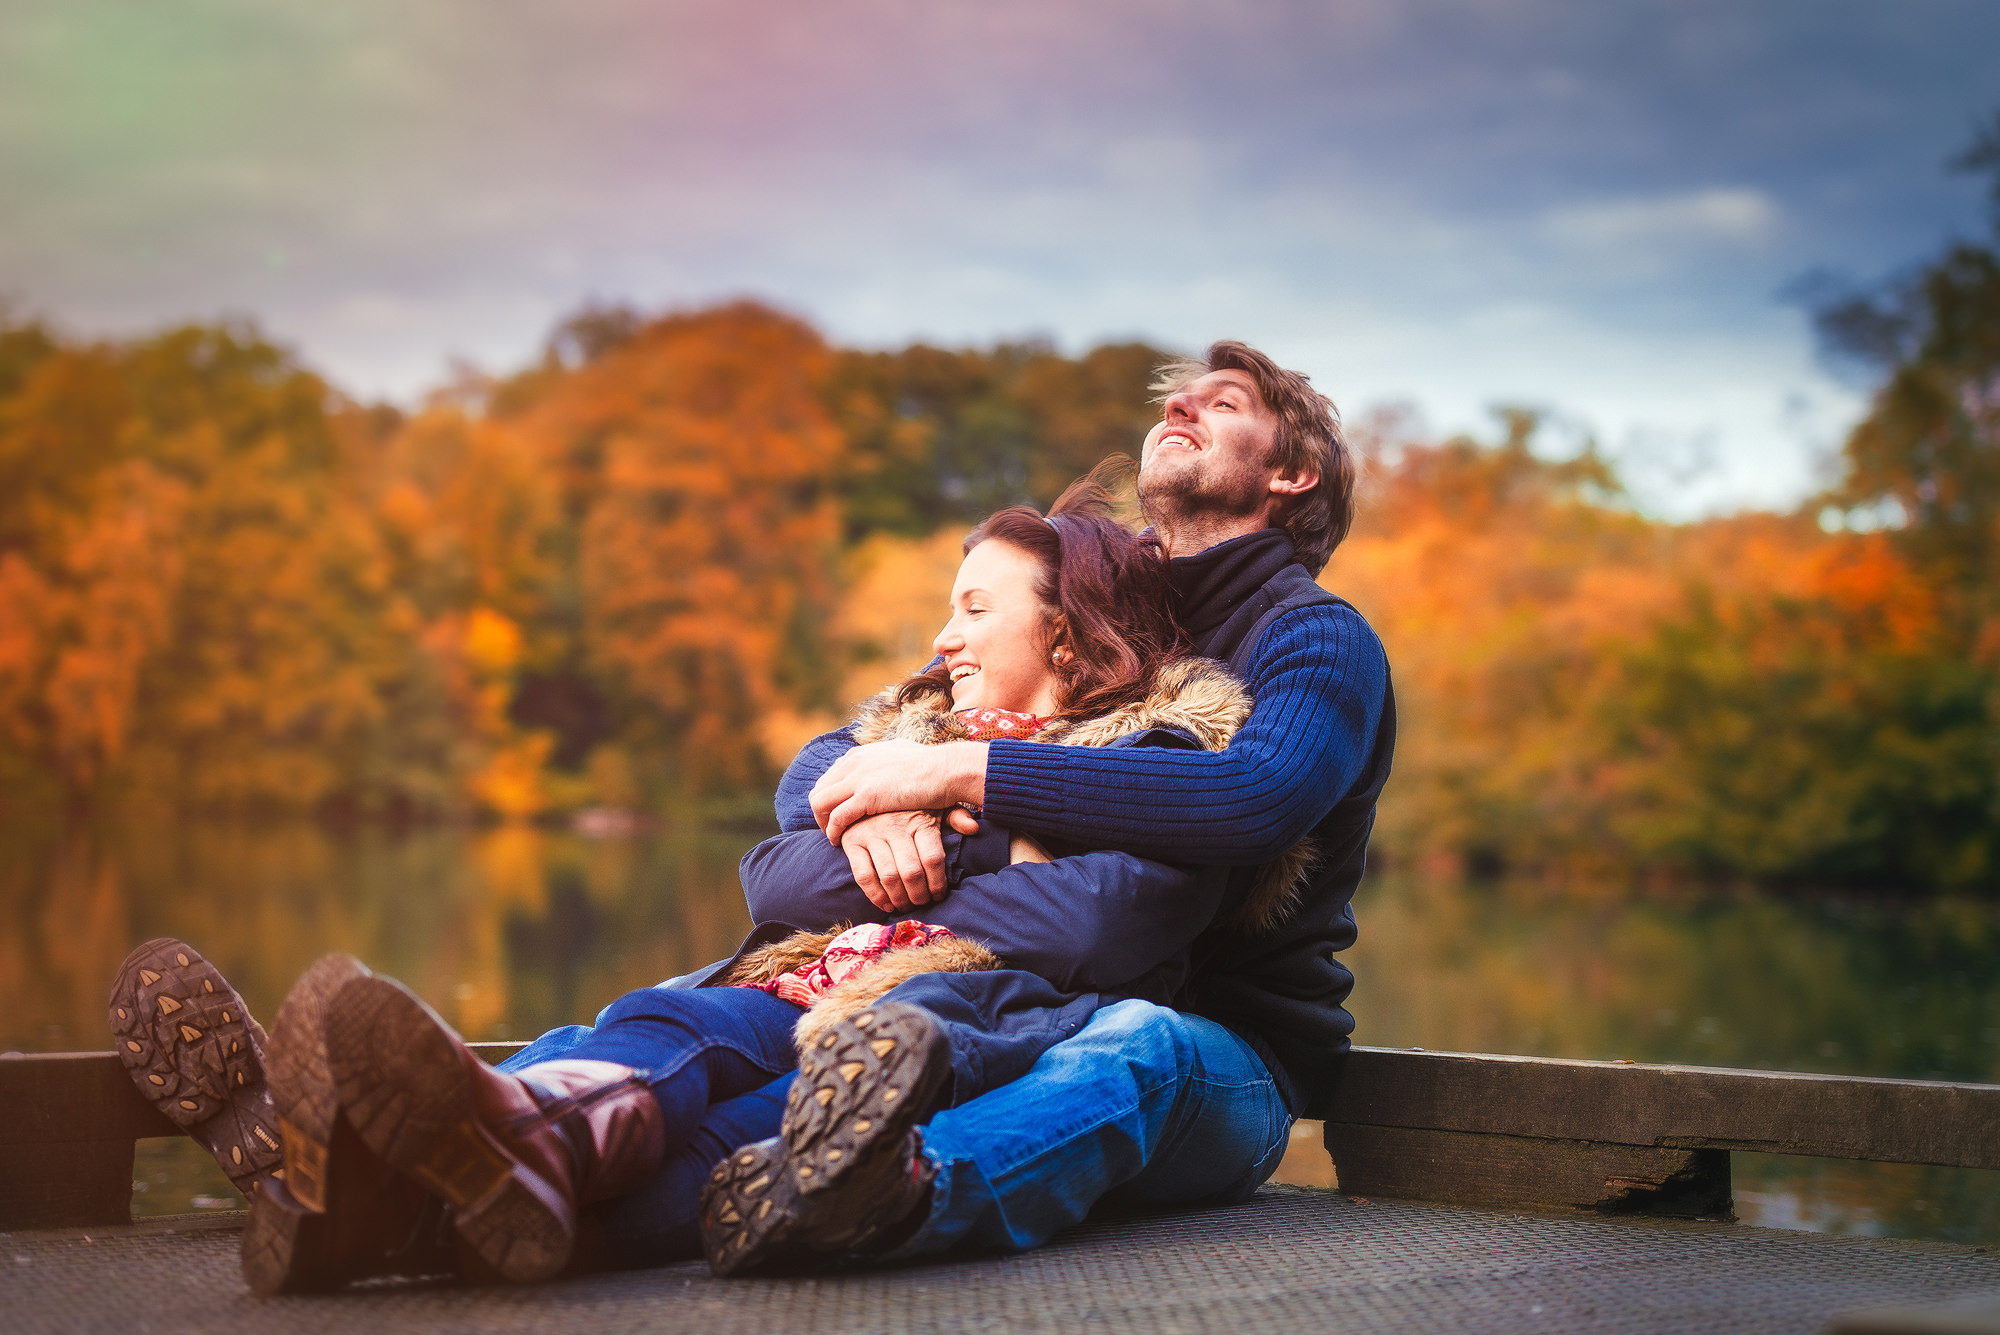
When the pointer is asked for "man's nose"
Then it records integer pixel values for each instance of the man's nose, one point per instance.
(1180, 407)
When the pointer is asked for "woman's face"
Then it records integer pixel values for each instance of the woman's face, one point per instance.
(997, 642)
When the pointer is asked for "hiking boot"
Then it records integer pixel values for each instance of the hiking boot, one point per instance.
(847, 1173)
(754, 1217)
(194, 1052)
(514, 1155)
(752, 1213)
(339, 1213)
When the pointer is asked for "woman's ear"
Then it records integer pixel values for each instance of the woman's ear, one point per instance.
(1059, 651)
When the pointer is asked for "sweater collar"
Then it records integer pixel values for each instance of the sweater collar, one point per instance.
(1212, 584)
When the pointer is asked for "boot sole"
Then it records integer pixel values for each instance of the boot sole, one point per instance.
(288, 1241)
(750, 1210)
(861, 1086)
(405, 1091)
(286, 1246)
(194, 1052)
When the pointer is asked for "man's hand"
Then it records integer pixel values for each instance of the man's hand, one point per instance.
(897, 776)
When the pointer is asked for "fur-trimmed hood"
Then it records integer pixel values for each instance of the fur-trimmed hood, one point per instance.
(1196, 696)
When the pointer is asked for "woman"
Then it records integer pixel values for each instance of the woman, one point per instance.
(1059, 630)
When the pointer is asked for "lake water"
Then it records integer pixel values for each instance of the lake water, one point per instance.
(510, 931)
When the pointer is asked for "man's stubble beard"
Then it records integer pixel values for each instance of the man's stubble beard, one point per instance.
(1187, 498)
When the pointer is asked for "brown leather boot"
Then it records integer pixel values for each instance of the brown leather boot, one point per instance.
(337, 1212)
(376, 1223)
(514, 1155)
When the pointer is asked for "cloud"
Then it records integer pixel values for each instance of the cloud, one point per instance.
(1452, 200)
(1729, 215)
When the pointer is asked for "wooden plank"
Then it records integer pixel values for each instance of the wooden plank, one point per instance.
(79, 1184)
(495, 1053)
(1685, 1107)
(68, 1121)
(1524, 1172)
(58, 1098)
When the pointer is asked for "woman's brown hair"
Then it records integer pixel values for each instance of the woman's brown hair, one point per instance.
(1106, 590)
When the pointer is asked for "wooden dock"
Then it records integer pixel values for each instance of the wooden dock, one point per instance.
(1477, 1193)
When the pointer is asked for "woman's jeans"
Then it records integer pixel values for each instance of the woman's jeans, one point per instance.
(1145, 1107)
(720, 1062)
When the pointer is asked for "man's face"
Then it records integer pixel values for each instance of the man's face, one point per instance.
(1208, 452)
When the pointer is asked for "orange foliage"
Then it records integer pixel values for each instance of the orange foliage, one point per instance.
(649, 565)
(76, 627)
(699, 455)
(221, 587)
(1579, 684)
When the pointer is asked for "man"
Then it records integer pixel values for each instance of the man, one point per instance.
(1250, 485)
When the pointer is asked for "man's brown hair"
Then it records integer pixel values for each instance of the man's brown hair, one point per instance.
(1308, 436)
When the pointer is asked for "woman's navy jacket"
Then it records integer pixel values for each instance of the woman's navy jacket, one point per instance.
(1079, 932)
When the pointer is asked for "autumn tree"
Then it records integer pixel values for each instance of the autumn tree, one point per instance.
(937, 436)
(1930, 444)
(697, 458)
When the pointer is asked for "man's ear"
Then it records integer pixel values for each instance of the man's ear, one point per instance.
(1294, 481)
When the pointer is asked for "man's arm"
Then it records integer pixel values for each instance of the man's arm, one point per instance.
(794, 798)
(1319, 689)
(1085, 923)
(897, 857)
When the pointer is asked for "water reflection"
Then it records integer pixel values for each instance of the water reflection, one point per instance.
(505, 931)
(1801, 984)
(1841, 986)
(510, 931)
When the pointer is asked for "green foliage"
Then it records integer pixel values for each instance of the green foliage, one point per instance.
(938, 437)
(1765, 755)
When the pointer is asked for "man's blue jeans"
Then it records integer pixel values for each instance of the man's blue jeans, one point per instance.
(1145, 1107)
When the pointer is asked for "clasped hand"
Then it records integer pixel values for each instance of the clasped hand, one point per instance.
(898, 857)
(881, 804)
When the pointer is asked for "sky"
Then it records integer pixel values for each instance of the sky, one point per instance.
(1434, 205)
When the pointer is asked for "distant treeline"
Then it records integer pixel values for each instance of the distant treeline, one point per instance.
(225, 586)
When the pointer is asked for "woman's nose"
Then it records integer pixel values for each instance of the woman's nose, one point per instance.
(947, 639)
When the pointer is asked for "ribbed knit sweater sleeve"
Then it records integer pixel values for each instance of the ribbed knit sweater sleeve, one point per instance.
(793, 801)
(1319, 682)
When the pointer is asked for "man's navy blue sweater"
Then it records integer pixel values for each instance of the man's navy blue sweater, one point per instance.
(1310, 759)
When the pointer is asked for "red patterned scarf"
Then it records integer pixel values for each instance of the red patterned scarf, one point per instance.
(984, 725)
(845, 956)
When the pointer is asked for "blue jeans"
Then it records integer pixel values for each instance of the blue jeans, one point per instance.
(720, 1062)
(1145, 1107)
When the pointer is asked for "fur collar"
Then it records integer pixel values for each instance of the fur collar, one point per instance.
(1196, 695)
